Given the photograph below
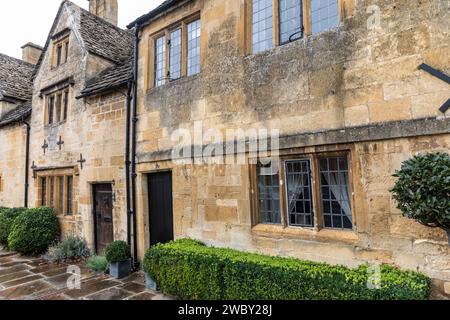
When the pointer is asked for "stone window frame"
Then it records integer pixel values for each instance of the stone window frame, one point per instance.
(318, 216)
(307, 23)
(62, 43)
(166, 32)
(50, 117)
(56, 174)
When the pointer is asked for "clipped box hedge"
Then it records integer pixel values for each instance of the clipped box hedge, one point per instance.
(190, 270)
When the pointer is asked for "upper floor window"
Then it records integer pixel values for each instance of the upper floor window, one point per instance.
(177, 52)
(60, 51)
(276, 22)
(306, 191)
(57, 106)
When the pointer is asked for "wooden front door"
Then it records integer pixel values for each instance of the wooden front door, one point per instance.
(160, 206)
(103, 216)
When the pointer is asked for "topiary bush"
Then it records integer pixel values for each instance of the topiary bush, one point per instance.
(34, 231)
(117, 251)
(7, 217)
(192, 271)
(72, 248)
(422, 189)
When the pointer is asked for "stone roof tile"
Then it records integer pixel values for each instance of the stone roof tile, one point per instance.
(15, 78)
(23, 111)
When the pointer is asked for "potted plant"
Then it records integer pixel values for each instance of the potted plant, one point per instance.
(118, 255)
(422, 190)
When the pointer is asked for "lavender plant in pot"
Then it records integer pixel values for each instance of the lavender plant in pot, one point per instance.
(118, 255)
(422, 190)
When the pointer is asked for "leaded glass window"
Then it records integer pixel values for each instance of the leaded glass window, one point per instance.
(269, 195)
(160, 61)
(299, 193)
(291, 23)
(335, 193)
(193, 49)
(324, 15)
(69, 195)
(175, 54)
(262, 25)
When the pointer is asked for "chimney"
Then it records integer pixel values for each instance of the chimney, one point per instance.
(31, 53)
(105, 9)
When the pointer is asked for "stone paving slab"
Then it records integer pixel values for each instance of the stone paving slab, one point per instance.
(23, 278)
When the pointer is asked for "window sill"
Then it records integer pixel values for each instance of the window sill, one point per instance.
(174, 82)
(279, 232)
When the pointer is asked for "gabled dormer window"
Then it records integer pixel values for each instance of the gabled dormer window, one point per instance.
(60, 51)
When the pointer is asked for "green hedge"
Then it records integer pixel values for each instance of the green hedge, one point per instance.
(7, 217)
(189, 270)
(34, 231)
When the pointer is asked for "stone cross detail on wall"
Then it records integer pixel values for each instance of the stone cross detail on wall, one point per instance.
(440, 75)
(81, 161)
(45, 146)
(60, 143)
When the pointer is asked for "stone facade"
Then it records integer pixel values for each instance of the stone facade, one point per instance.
(350, 88)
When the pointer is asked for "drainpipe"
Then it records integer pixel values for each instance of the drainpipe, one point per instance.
(133, 142)
(127, 163)
(27, 160)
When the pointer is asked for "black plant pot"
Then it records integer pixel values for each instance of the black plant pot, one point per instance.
(120, 270)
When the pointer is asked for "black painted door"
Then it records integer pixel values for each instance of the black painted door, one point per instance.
(160, 207)
(103, 216)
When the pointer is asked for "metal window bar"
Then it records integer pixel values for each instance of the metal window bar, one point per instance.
(291, 20)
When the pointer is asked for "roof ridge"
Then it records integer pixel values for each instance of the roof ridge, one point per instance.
(101, 19)
(18, 60)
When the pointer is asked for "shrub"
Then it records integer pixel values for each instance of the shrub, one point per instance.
(193, 271)
(70, 249)
(7, 217)
(117, 251)
(34, 231)
(423, 189)
(97, 264)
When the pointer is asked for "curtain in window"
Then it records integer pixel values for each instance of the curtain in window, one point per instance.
(296, 187)
(338, 184)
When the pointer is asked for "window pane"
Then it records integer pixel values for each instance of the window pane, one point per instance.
(61, 195)
(58, 107)
(51, 107)
(262, 25)
(160, 61)
(69, 195)
(58, 55)
(193, 49)
(52, 192)
(324, 15)
(175, 54)
(290, 20)
(335, 195)
(43, 192)
(66, 51)
(299, 193)
(66, 104)
(269, 195)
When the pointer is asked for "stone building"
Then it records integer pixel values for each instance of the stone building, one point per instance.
(338, 81)
(74, 99)
(341, 81)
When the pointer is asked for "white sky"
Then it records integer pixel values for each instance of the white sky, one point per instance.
(23, 21)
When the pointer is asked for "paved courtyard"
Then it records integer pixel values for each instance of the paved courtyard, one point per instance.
(24, 278)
